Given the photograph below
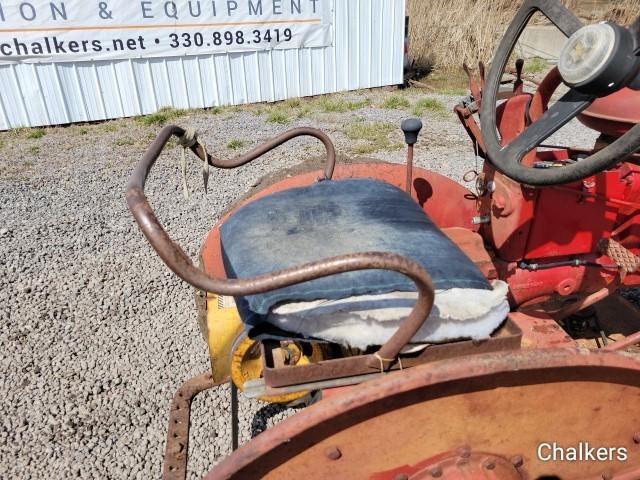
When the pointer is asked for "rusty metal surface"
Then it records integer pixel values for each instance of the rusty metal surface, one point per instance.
(540, 330)
(465, 112)
(615, 316)
(506, 338)
(529, 111)
(543, 94)
(587, 301)
(177, 449)
(409, 181)
(258, 388)
(461, 464)
(474, 87)
(180, 263)
(623, 343)
(501, 404)
(624, 258)
(618, 316)
(465, 115)
(472, 244)
(273, 143)
(614, 114)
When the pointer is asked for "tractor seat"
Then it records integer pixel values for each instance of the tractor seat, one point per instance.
(362, 308)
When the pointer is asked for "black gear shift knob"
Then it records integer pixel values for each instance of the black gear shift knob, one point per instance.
(411, 128)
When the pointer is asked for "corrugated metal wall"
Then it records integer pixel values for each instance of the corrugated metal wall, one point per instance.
(367, 52)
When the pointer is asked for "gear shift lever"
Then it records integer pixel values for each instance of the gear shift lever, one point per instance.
(411, 128)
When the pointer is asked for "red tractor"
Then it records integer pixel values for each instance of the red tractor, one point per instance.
(435, 328)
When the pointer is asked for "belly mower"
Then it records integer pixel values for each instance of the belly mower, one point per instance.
(439, 332)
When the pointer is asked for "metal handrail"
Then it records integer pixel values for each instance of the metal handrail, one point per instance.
(180, 263)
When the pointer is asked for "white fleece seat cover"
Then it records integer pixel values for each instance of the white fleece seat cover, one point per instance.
(366, 320)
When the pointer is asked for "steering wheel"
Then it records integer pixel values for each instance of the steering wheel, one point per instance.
(596, 61)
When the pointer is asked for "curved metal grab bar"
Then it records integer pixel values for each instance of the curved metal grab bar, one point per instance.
(180, 263)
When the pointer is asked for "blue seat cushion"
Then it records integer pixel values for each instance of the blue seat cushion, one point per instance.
(331, 218)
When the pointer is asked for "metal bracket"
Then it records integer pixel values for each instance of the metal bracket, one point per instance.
(177, 449)
(481, 219)
(258, 388)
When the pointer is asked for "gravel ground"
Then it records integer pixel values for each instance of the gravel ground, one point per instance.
(96, 334)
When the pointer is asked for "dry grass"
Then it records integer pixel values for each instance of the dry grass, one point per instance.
(124, 142)
(340, 105)
(444, 34)
(162, 116)
(620, 11)
(395, 102)
(235, 144)
(428, 104)
(277, 115)
(370, 137)
(535, 65)
(36, 133)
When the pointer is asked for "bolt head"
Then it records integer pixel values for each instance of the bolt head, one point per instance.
(436, 472)
(517, 461)
(333, 453)
(489, 464)
(636, 437)
(464, 452)
(401, 476)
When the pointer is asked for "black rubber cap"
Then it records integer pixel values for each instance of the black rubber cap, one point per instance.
(411, 128)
